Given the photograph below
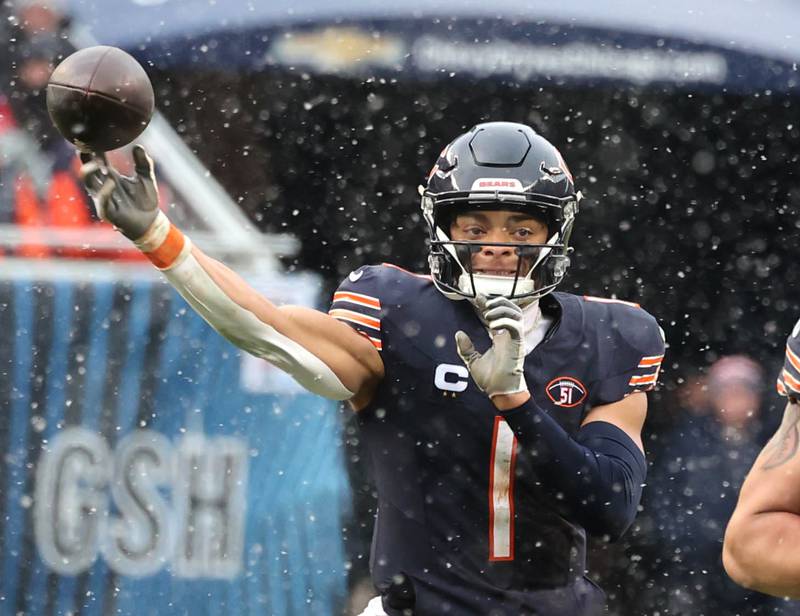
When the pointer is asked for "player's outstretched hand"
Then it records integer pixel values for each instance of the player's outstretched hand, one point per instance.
(498, 371)
(128, 203)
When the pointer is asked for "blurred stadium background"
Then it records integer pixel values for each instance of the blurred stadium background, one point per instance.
(290, 140)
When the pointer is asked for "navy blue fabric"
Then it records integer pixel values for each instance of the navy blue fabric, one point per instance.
(597, 476)
(432, 436)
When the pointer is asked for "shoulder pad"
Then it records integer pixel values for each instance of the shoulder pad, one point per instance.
(357, 302)
(637, 340)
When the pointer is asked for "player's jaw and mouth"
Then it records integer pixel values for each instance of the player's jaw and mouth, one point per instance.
(508, 267)
(509, 273)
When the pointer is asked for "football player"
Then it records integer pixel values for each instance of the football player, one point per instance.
(760, 546)
(503, 419)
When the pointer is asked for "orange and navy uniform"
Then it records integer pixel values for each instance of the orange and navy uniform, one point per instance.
(788, 383)
(461, 513)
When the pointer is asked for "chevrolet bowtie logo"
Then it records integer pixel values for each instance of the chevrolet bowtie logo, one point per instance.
(337, 49)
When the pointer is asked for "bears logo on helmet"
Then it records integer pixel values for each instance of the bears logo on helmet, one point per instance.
(500, 166)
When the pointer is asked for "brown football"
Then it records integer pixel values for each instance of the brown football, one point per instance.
(100, 98)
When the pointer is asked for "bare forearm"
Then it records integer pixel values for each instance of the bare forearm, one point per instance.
(235, 287)
(321, 353)
(760, 552)
(760, 547)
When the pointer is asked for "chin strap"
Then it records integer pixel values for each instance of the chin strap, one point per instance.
(485, 284)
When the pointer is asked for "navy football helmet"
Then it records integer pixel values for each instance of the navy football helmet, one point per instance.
(500, 166)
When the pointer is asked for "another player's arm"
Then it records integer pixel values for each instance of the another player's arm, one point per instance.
(322, 354)
(760, 546)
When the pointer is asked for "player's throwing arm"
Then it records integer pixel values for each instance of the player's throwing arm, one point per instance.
(343, 364)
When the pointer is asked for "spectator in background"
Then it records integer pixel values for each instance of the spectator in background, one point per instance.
(39, 185)
(34, 17)
(60, 202)
(35, 58)
(693, 489)
(38, 167)
(20, 156)
(39, 41)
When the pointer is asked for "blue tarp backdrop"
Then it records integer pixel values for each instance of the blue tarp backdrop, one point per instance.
(140, 476)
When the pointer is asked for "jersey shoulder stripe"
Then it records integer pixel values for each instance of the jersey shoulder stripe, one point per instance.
(648, 370)
(356, 317)
(788, 382)
(653, 360)
(358, 299)
(631, 339)
(357, 303)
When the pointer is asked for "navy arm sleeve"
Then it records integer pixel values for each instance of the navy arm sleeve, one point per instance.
(596, 478)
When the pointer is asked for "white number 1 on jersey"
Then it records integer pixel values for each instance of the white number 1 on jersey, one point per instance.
(501, 491)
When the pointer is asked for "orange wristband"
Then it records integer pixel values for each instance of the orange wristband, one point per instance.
(164, 256)
(163, 243)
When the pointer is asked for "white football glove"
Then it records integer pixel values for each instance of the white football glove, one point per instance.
(128, 203)
(498, 371)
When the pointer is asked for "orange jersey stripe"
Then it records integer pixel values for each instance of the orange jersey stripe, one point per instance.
(644, 379)
(655, 360)
(375, 341)
(790, 380)
(357, 298)
(793, 359)
(355, 317)
(165, 255)
(781, 387)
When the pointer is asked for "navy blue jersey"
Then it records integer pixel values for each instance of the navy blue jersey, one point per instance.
(789, 377)
(460, 511)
